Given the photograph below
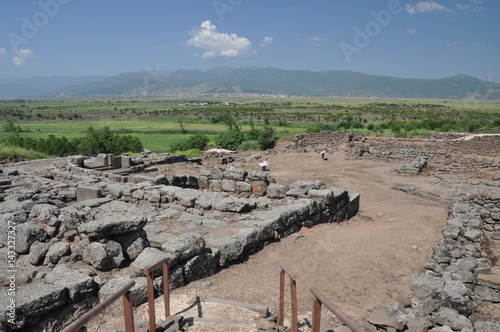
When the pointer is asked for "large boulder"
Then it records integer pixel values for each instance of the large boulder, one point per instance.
(187, 197)
(56, 252)
(28, 233)
(133, 243)
(79, 284)
(228, 248)
(426, 285)
(147, 258)
(451, 318)
(112, 224)
(37, 253)
(32, 301)
(199, 267)
(226, 204)
(184, 247)
(275, 190)
(388, 317)
(45, 213)
(104, 255)
(139, 293)
(207, 200)
(455, 295)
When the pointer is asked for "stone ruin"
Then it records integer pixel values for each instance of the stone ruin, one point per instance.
(457, 282)
(85, 227)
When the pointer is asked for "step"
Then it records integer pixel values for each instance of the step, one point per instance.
(5, 182)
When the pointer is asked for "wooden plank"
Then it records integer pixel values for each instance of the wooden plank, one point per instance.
(223, 321)
(255, 307)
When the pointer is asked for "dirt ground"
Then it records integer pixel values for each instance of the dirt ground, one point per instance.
(364, 263)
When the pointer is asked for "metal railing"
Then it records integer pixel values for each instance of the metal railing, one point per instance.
(320, 299)
(151, 291)
(124, 292)
(293, 291)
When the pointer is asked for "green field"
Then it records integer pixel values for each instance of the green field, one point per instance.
(161, 122)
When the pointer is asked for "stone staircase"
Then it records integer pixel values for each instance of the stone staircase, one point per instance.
(205, 313)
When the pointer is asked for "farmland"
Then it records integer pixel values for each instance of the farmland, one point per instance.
(160, 123)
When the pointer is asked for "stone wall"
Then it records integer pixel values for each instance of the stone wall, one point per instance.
(73, 230)
(443, 155)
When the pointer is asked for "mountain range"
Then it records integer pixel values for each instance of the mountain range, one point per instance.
(250, 80)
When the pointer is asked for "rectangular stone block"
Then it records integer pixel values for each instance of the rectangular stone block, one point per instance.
(243, 186)
(202, 182)
(116, 162)
(353, 205)
(85, 193)
(126, 161)
(102, 159)
(109, 159)
(215, 185)
(228, 185)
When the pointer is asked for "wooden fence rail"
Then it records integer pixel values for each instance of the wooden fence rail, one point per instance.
(128, 313)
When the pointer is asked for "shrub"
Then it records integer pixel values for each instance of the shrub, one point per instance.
(196, 141)
(317, 127)
(230, 139)
(249, 146)
(94, 142)
(267, 139)
(253, 134)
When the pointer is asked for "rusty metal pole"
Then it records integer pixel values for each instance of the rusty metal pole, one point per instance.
(128, 312)
(281, 315)
(151, 302)
(293, 289)
(316, 323)
(166, 290)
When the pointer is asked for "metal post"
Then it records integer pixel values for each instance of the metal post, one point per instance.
(128, 312)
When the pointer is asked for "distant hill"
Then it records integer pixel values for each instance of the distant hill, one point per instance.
(225, 80)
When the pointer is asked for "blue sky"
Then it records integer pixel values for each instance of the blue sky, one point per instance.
(402, 38)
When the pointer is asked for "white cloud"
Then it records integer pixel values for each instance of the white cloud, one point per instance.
(317, 41)
(3, 53)
(220, 45)
(456, 46)
(22, 56)
(426, 7)
(462, 7)
(411, 31)
(266, 42)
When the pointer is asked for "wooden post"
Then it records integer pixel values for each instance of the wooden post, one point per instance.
(151, 302)
(293, 289)
(281, 315)
(166, 290)
(128, 312)
(316, 323)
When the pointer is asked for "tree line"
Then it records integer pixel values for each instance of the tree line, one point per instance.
(92, 143)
